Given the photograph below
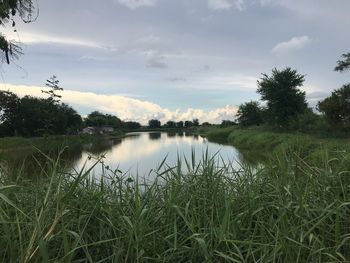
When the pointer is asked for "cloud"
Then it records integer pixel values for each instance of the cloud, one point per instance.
(175, 79)
(294, 44)
(128, 108)
(156, 62)
(226, 4)
(43, 38)
(133, 4)
(154, 59)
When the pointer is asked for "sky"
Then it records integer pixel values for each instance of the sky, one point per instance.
(176, 59)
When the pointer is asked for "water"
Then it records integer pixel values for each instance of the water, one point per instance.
(139, 153)
(135, 154)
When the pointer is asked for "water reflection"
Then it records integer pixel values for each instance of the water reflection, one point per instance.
(140, 154)
(137, 153)
(154, 136)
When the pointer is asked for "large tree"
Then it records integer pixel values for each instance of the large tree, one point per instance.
(284, 98)
(249, 114)
(9, 9)
(336, 107)
(31, 116)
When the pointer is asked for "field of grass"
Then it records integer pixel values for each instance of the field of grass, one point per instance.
(287, 211)
(269, 143)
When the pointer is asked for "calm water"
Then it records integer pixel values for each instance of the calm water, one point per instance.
(139, 153)
(135, 154)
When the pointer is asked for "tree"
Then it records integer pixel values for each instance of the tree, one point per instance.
(31, 116)
(344, 64)
(8, 10)
(188, 124)
(206, 124)
(53, 84)
(154, 124)
(284, 100)
(336, 107)
(9, 113)
(171, 124)
(195, 122)
(180, 124)
(249, 114)
(98, 119)
(131, 125)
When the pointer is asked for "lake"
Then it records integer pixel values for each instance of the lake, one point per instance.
(140, 152)
(136, 154)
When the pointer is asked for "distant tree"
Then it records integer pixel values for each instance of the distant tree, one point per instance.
(188, 124)
(180, 124)
(8, 10)
(249, 114)
(227, 123)
(344, 64)
(9, 113)
(154, 124)
(171, 124)
(131, 125)
(195, 122)
(99, 119)
(336, 107)
(284, 98)
(206, 124)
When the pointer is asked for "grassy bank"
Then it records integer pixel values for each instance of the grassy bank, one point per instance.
(271, 143)
(288, 211)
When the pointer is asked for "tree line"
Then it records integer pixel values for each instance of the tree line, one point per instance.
(285, 105)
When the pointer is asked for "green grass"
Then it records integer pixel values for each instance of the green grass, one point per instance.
(287, 211)
(261, 141)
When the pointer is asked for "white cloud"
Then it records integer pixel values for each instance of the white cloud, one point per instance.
(226, 4)
(133, 4)
(128, 108)
(43, 38)
(294, 44)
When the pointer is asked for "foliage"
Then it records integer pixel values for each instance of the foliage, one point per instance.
(180, 124)
(8, 10)
(195, 122)
(170, 124)
(53, 84)
(98, 119)
(131, 125)
(206, 124)
(30, 116)
(309, 122)
(344, 64)
(284, 100)
(227, 123)
(337, 107)
(188, 124)
(154, 124)
(287, 211)
(250, 114)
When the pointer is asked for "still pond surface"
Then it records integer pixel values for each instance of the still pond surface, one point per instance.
(135, 154)
(139, 153)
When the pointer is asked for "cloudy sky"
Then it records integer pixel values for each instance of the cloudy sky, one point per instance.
(177, 59)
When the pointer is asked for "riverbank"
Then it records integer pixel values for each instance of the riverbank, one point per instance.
(271, 143)
(16, 143)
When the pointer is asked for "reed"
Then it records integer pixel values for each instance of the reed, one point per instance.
(289, 210)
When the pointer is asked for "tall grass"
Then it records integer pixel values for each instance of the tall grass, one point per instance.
(286, 211)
